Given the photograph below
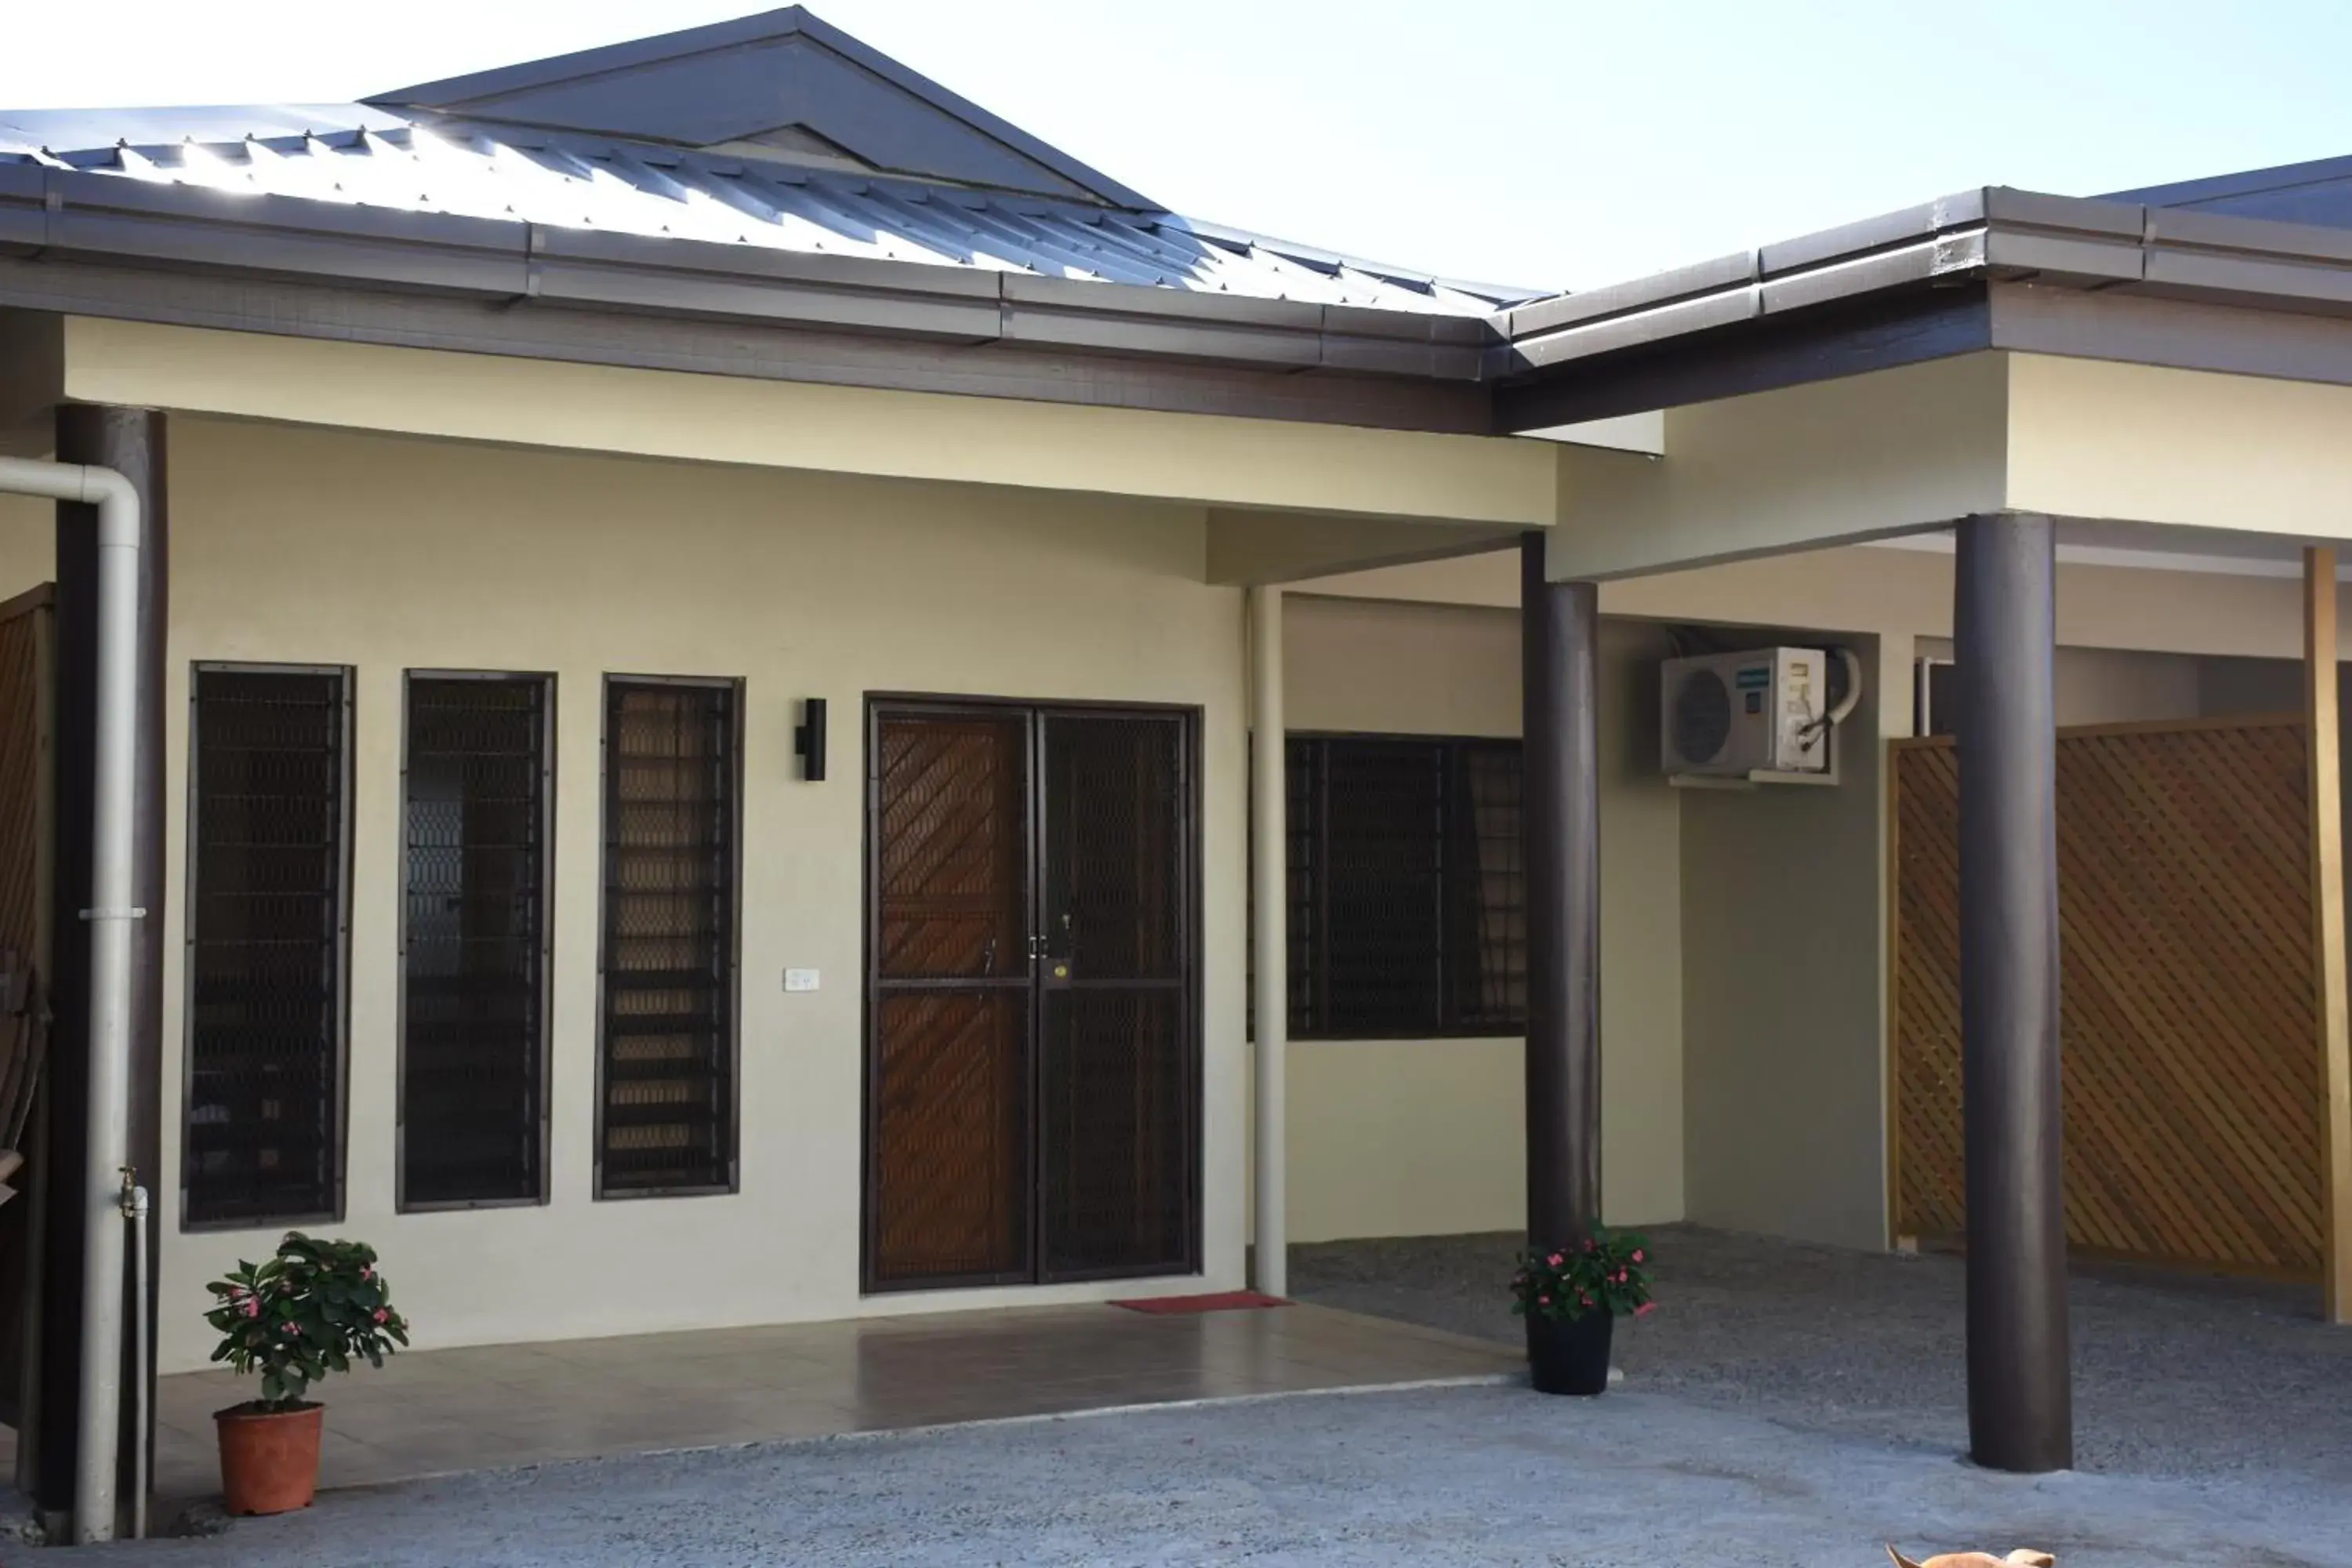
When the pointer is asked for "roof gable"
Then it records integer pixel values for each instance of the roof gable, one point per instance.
(779, 80)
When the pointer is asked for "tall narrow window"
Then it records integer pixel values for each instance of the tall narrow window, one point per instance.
(1408, 910)
(268, 937)
(673, 777)
(474, 947)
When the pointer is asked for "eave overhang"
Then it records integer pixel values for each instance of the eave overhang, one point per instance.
(1909, 285)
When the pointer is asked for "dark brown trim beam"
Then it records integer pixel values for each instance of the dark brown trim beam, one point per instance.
(645, 339)
(1867, 334)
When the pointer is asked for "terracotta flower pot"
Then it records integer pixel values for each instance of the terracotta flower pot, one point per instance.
(1570, 1358)
(269, 1459)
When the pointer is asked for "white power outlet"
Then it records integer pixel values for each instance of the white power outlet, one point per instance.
(800, 979)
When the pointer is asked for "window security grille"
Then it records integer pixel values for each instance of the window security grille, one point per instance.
(1408, 904)
(268, 925)
(672, 815)
(474, 951)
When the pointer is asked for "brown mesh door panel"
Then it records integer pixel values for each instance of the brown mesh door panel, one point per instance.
(953, 845)
(1115, 1079)
(1117, 1196)
(951, 1129)
(951, 1136)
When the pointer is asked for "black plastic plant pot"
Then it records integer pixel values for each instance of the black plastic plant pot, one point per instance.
(1565, 1357)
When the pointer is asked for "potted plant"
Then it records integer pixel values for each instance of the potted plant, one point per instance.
(294, 1319)
(1571, 1296)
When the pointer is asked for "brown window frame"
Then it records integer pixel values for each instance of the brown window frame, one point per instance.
(731, 991)
(340, 1053)
(1313, 1015)
(546, 681)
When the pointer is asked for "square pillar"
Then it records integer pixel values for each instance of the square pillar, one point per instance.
(1560, 625)
(2324, 731)
(2020, 1397)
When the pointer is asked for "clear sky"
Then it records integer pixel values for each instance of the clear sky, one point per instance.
(1550, 143)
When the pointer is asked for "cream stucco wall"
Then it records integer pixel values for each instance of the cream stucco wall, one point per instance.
(387, 553)
(1782, 897)
(2114, 686)
(1426, 1137)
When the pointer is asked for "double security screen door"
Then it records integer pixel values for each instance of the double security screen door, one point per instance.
(1032, 1058)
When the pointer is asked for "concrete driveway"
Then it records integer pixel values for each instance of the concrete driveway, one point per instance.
(1456, 1476)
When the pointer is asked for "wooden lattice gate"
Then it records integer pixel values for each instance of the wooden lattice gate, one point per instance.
(2191, 1066)
(25, 676)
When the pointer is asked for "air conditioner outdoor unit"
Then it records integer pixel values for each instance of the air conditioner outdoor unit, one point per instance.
(1741, 715)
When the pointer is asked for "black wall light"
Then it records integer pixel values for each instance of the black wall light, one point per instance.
(808, 739)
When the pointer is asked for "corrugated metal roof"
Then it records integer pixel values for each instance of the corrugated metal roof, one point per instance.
(359, 155)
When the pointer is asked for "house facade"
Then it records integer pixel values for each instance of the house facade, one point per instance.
(714, 616)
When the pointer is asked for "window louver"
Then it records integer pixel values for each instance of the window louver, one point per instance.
(672, 773)
(474, 941)
(267, 937)
(1407, 893)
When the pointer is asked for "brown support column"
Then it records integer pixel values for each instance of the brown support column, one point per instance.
(2021, 1394)
(1559, 628)
(2324, 731)
(130, 442)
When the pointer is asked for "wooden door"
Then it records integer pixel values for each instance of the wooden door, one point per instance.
(948, 1067)
(1032, 1076)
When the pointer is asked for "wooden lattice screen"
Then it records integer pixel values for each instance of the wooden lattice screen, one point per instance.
(24, 630)
(2188, 1033)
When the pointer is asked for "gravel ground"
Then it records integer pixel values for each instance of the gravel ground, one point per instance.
(1457, 1476)
(2174, 1376)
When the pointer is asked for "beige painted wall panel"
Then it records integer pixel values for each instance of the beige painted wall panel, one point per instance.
(1782, 894)
(1430, 670)
(29, 543)
(862, 430)
(1404, 1138)
(2104, 439)
(1892, 451)
(2114, 686)
(295, 544)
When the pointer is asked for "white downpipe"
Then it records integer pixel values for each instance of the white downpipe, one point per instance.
(99, 1429)
(1270, 904)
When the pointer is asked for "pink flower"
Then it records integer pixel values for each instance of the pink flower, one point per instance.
(381, 1315)
(367, 1270)
(1590, 1245)
(1555, 1260)
(1543, 1300)
(1582, 1299)
(1645, 1308)
(1620, 1277)
(252, 1306)
(1637, 1255)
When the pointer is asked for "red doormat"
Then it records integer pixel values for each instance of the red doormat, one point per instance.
(1215, 1301)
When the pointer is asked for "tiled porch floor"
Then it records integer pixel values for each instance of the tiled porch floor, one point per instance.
(432, 1412)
